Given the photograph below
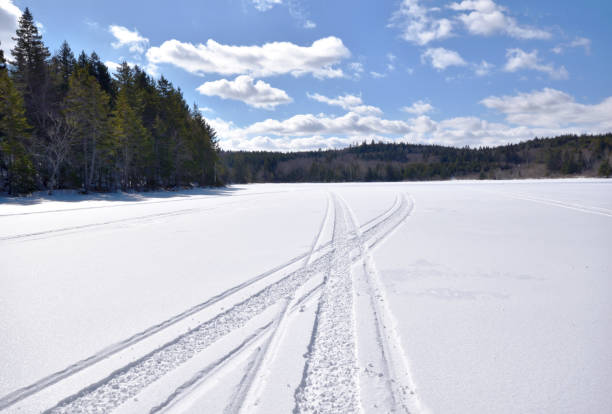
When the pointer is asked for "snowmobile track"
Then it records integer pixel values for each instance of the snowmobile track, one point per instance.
(129, 380)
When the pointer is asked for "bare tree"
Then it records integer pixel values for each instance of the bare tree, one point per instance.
(60, 134)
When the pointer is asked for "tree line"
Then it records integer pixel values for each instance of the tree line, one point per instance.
(65, 122)
(568, 155)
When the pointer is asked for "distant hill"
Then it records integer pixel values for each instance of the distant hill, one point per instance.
(563, 156)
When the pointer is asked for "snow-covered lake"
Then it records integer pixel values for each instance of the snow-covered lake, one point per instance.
(443, 297)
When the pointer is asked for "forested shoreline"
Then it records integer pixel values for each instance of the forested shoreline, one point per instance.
(563, 156)
(65, 122)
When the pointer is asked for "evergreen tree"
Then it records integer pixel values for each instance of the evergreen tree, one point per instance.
(132, 144)
(605, 169)
(14, 159)
(30, 69)
(87, 107)
(63, 64)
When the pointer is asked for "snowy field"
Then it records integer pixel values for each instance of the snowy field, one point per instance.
(444, 297)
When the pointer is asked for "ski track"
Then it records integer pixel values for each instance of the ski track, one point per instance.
(70, 229)
(602, 211)
(126, 382)
(330, 383)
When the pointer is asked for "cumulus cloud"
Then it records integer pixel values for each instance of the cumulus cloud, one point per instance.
(485, 17)
(149, 68)
(263, 5)
(270, 59)
(126, 37)
(441, 58)
(347, 102)
(577, 42)
(256, 94)
(418, 108)
(9, 17)
(113, 66)
(551, 108)
(483, 68)
(417, 24)
(519, 59)
(351, 123)
(308, 132)
(547, 112)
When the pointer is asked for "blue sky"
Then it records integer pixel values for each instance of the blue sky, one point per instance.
(296, 74)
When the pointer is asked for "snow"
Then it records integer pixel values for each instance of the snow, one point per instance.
(458, 296)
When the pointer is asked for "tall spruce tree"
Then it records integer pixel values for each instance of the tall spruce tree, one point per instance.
(30, 69)
(132, 144)
(15, 164)
(87, 107)
(63, 63)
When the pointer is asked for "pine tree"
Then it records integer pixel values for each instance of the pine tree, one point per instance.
(63, 64)
(87, 107)
(30, 69)
(100, 72)
(131, 143)
(14, 159)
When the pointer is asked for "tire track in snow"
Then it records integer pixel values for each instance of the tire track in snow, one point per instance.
(571, 206)
(192, 342)
(215, 368)
(330, 382)
(100, 224)
(383, 223)
(389, 356)
(249, 390)
(27, 391)
(129, 380)
(64, 230)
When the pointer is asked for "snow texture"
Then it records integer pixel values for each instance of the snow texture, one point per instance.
(442, 297)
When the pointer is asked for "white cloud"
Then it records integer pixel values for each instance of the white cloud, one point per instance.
(577, 42)
(206, 109)
(357, 69)
(351, 123)
(486, 18)
(113, 66)
(483, 68)
(263, 5)
(542, 113)
(417, 25)
(256, 94)
(270, 59)
(91, 24)
(9, 17)
(309, 24)
(551, 108)
(126, 37)
(418, 108)
(519, 59)
(377, 75)
(150, 68)
(347, 102)
(441, 58)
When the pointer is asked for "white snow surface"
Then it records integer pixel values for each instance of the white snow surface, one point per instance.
(427, 297)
